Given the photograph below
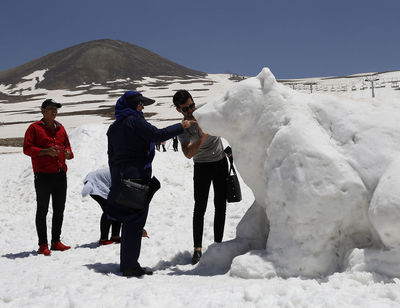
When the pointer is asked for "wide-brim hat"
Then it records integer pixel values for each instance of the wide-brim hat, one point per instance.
(135, 97)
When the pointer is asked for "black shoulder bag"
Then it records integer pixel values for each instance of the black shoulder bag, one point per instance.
(233, 192)
(133, 194)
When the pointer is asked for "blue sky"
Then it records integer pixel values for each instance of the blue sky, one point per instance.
(297, 38)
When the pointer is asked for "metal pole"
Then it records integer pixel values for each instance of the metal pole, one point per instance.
(372, 88)
(372, 79)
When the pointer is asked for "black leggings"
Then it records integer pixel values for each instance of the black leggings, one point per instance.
(204, 174)
(105, 223)
(47, 184)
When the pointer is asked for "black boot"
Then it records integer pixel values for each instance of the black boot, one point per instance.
(196, 257)
(137, 273)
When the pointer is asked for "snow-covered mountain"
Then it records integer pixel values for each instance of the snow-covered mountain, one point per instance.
(93, 103)
(97, 62)
(88, 78)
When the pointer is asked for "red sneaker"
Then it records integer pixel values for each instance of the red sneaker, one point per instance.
(116, 239)
(105, 242)
(59, 246)
(44, 250)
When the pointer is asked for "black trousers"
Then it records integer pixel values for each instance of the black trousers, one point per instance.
(133, 223)
(47, 184)
(205, 174)
(131, 240)
(105, 222)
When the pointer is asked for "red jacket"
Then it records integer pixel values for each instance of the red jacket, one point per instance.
(39, 136)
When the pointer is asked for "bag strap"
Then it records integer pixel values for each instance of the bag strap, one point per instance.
(138, 181)
(232, 168)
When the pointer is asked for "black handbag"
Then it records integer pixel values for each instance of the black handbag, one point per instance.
(233, 192)
(132, 194)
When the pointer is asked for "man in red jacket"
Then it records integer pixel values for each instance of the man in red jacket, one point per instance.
(46, 142)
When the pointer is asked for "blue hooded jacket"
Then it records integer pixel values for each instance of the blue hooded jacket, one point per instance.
(131, 144)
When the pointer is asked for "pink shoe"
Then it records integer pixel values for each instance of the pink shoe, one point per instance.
(105, 242)
(44, 250)
(59, 246)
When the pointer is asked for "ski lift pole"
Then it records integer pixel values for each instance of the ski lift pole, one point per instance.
(372, 79)
(311, 84)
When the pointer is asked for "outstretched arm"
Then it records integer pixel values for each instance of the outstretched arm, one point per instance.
(154, 134)
(190, 149)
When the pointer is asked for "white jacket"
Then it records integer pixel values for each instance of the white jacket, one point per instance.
(97, 183)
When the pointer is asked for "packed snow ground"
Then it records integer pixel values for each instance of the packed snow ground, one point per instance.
(87, 274)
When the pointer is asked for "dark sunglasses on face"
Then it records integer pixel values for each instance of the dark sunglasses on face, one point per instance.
(187, 108)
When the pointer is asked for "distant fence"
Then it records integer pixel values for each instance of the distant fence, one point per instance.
(356, 84)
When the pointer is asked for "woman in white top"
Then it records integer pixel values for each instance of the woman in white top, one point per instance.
(97, 185)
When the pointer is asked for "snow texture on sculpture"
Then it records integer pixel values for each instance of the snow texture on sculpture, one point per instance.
(324, 170)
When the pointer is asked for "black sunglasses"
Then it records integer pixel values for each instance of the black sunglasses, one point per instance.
(187, 108)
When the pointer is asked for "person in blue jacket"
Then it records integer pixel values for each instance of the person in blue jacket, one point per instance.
(131, 143)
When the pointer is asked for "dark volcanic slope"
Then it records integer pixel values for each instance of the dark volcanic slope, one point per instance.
(96, 61)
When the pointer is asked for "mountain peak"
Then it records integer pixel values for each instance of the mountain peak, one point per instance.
(96, 61)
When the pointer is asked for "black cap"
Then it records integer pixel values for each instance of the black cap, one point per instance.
(50, 103)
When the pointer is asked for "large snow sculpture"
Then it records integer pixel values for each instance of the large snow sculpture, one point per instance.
(323, 168)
